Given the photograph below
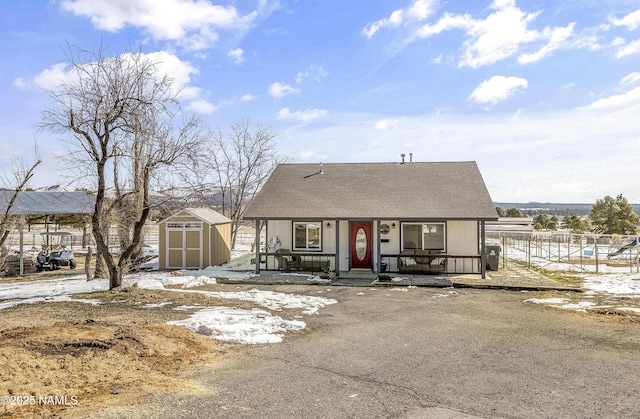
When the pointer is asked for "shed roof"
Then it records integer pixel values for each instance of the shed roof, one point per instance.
(48, 203)
(207, 215)
(404, 191)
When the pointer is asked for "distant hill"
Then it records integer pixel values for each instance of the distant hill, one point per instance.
(552, 208)
(55, 188)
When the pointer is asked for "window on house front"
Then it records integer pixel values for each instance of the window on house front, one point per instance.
(306, 236)
(427, 236)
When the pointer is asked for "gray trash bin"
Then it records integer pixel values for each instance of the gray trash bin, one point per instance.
(493, 256)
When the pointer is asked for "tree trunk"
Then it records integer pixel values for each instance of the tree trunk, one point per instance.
(87, 264)
(115, 278)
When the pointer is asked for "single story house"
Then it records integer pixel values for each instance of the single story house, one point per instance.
(413, 217)
(194, 238)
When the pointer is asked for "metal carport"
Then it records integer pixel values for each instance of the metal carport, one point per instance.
(45, 204)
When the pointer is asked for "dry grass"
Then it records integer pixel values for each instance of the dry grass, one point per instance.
(111, 354)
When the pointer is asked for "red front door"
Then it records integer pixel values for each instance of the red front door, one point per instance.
(361, 245)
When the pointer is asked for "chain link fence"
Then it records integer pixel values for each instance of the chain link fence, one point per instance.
(566, 251)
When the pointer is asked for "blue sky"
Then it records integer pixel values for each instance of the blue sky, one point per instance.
(544, 95)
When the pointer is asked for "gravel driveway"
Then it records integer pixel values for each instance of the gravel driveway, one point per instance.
(424, 352)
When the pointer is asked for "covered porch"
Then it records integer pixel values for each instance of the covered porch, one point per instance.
(345, 247)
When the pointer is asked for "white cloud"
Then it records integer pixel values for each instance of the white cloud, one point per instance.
(236, 55)
(497, 88)
(630, 21)
(180, 71)
(419, 10)
(387, 124)
(618, 41)
(248, 97)
(280, 90)
(166, 64)
(623, 100)
(192, 23)
(631, 78)
(498, 36)
(504, 33)
(315, 73)
(557, 38)
(202, 107)
(53, 77)
(631, 48)
(302, 116)
(20, 83)
(393, 20)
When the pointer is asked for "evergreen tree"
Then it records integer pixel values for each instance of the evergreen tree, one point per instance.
(613, 216)
(514, 212)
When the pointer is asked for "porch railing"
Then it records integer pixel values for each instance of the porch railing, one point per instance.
(454, 264)
(316, 262)
(310, 262)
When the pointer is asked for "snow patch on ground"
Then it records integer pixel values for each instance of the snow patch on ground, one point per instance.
(611, 282)
(236, 325)
(223, 323)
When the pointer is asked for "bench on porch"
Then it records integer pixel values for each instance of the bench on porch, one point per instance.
(418, 261)
(314, 265)
(285, 260)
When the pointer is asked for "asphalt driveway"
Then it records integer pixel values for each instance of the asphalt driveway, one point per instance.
(434, 353)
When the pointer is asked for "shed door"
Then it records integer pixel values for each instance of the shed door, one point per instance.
(184, 245)
(361, 245)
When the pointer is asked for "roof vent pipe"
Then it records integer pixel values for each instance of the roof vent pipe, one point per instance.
(410, 157)
(321, 169)
(402, 155)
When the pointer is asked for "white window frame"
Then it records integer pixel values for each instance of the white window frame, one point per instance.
(423, 225)
(307, 224)
(187, 225)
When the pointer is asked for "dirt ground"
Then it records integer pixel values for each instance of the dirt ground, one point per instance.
(68, 359)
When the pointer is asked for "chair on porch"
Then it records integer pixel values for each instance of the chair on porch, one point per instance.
(287, 261)
(295, 262)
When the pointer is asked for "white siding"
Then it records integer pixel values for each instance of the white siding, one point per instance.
(392, 247)
(281, 230)
(344, 246)
(462, 239)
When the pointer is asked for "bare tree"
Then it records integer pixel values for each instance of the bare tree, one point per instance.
(241, 161)
(155, 145)
(121, 114)
(15, 181)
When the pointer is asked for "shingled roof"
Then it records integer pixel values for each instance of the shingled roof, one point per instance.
(399, 191)
(207, 215)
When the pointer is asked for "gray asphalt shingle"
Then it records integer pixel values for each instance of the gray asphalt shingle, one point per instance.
(416, 190)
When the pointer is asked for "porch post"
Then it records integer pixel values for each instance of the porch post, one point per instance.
(22, 245)
(483, 252)
(378, 252)
(337, 261)
(257, 246)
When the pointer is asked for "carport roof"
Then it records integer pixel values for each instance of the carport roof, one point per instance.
(48, 203)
